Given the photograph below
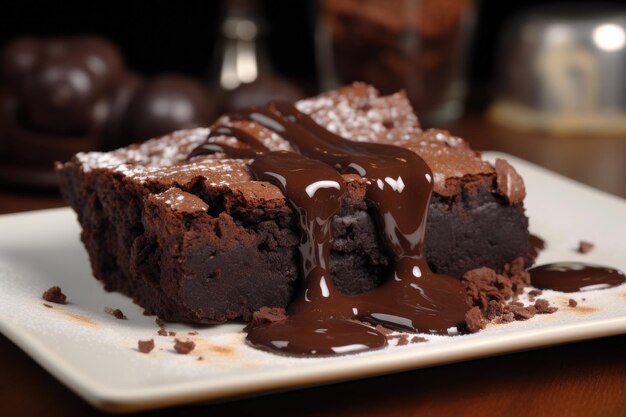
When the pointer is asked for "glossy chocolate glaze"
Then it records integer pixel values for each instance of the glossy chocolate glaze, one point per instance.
(399, 188)
(253, 150)
(318, 321)
(575, 276)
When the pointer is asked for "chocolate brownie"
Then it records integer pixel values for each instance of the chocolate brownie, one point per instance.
(198, 240)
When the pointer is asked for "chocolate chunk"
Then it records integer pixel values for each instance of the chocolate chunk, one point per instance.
(145, 346)
(162, 332)
(584, 246)
(54, 295)
(117, 313)
(184, 347)
(510, 183)
(572, 303)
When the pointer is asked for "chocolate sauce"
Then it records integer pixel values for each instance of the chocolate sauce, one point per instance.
(321, 319)
(575, 276)
(317, 323)
(253, 150)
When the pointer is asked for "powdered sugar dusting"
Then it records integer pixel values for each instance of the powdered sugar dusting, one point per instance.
(356, 112)
(164, 151)
(179, 200)
(363, 116)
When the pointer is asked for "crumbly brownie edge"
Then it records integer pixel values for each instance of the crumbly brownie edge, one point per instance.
(236, 257)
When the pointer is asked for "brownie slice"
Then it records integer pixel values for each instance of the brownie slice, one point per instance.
(199, 241)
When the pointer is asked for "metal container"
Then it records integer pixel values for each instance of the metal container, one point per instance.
(563, 70)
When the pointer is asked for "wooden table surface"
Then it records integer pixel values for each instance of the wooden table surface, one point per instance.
(581, 379)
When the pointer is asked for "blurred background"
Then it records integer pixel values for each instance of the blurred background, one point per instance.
(543, 80)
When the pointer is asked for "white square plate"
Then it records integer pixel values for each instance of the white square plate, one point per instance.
(95, 354)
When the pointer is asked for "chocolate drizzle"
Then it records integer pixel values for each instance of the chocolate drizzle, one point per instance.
(575, 276)
(322, 321)
(253, 150)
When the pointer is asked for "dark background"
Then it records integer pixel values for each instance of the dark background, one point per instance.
(179, 36)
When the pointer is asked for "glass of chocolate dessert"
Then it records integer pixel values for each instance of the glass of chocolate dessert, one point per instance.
(415, 45)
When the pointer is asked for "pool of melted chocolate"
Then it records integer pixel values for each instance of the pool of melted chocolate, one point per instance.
(575, 276)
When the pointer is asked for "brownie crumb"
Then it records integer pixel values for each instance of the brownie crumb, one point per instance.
(194, 333)
(532, 294)
(572, 303)
(117, 313)
(54, 295)
(521, 312)
(47, 305)
(495, 297)
(485, 287)
(145, 346)
(184, 347)
(162, 330)
(402, 339)
(266, 315)
(383, 330)
(172, 333)
(474, 320)
(148, 313)
(200, 358)
(418, 339)
(505, 318)
(543, 307)
(584, 246)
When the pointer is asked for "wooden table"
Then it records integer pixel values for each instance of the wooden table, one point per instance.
(582, 379)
